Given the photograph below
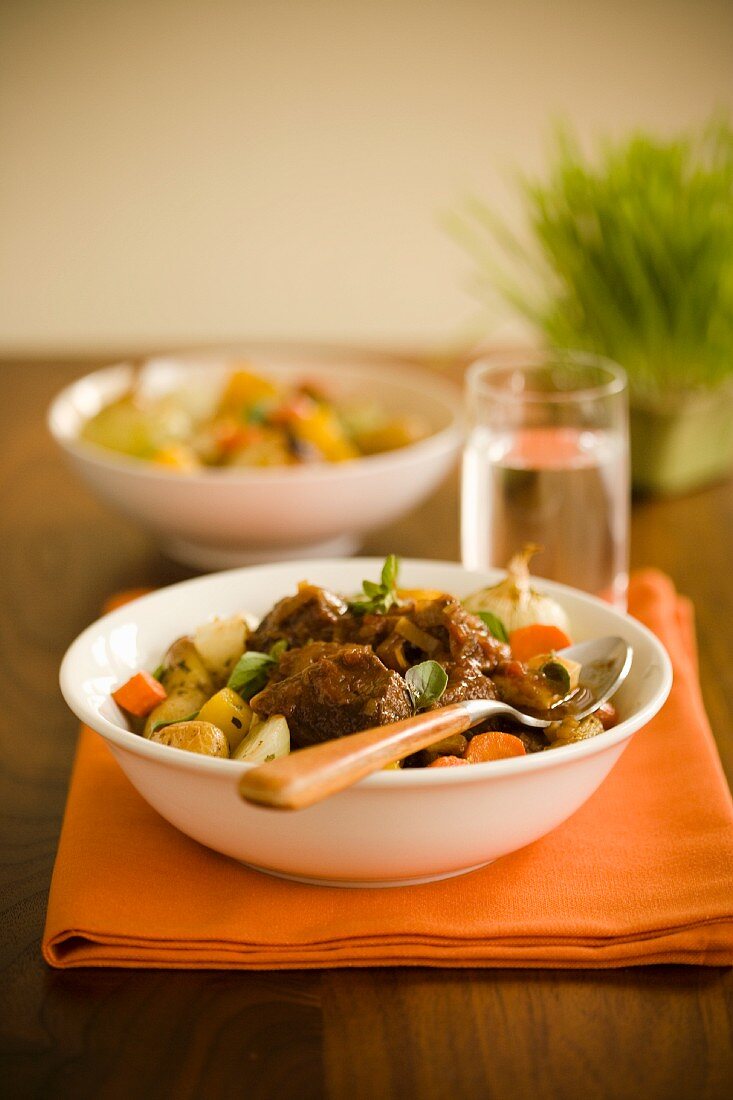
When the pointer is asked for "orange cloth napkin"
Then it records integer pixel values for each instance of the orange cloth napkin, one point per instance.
(640, 874)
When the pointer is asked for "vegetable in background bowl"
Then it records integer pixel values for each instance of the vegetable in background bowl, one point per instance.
(254, 421)
(215, 517)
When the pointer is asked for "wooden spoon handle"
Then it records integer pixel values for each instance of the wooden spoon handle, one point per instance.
(310, 775)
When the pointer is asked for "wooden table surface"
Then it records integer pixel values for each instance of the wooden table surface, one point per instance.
(652, 1032)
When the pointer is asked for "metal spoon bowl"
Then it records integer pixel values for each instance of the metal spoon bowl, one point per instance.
(310, 775)
(605, 664)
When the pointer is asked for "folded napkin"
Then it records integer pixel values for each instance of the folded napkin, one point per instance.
(640, 874)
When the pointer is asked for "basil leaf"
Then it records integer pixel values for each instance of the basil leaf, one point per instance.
(387, 600)
(378, 598)
(249, 675)
(278, 649)
(494, 624)
(251, 671)
(390, 569)
(426, 683)
(172, 721)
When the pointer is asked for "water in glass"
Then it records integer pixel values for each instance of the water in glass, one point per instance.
(563, 488)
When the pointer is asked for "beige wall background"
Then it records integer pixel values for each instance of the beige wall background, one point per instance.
(176, 171)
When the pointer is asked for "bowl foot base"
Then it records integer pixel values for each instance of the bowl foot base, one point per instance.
(366, 885)
(212, 558)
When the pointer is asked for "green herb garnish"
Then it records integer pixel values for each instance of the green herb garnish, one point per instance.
(556, 673)
(378, 598)
(426, 683)
(172, 721)
(494, 624)
(252, 670)
(256, 413)
(159, 673)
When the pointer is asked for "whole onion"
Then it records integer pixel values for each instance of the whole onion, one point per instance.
(515, 602)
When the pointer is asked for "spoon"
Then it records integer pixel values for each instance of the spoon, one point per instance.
(309, 775)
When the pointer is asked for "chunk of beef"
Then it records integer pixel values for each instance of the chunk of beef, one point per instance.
(294, 661)
(372, 628)
(337, 694)
(463, 634)
(451, 634)
(533, 740)
(466, 681)
(312, 614)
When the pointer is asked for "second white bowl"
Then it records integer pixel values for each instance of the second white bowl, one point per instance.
(214, 519)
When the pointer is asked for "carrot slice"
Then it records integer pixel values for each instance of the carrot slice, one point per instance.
(493, 746)
(531, 641)
(140, 694)
(607, 714)
(447, 762)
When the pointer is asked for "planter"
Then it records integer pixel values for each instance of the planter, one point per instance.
(682, 442)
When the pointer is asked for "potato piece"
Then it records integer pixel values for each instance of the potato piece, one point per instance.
(200, 737)
(230, 713)
(187, 682)
(265, 741)
(183, 704)
(122, 426)
(220, 643)
(184, 670)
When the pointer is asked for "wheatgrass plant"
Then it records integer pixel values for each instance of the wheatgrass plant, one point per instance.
(628, 254)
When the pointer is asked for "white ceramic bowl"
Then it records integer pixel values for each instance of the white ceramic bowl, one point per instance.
(216, 519)
(392, 827)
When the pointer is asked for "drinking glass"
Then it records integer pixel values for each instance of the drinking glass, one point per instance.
(547, 462)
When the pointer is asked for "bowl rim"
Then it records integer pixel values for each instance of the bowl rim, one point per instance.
(445, 439)
(392, 779)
